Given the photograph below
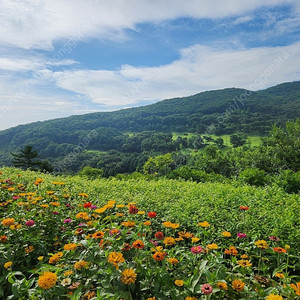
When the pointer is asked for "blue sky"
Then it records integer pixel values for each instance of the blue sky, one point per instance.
(61, 57)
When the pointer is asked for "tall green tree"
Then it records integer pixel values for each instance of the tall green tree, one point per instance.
(27, 158)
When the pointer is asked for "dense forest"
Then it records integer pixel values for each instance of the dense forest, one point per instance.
(124, 141)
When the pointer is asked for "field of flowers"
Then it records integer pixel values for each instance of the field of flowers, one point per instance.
(70, 238)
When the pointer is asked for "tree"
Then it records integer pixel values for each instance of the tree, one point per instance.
(160, 164)
(26, 159)
(237, 140)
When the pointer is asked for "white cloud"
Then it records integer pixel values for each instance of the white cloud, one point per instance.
(38, 23)
(199, 68)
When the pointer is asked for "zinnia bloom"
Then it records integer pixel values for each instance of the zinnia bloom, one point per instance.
(66, 281)
(179, 282)
(133, 209)
(222, 285)
(279, 275)
(196, 249)
(8, 264)
(244, 263)
(47, 280)
(238, 285)
(204, 224)
(274, 297)
(87, 205)
(241, 235)
(98, 235)
(147, 223)
(226, 234)
(55, 258)
(173, 261)
(82, 215)
(3, 238)
(128, 276)
(159, 256)
(70, 246)
(279, 250)
(152, 214)
(244, 207)
(115, 258)
(159, 235)
(212, 246)
(169, 241)
(81, 265)
(67, 220)
(274, 238)
(296, 288)
(138, 244)
(206, 289)
(8, 222)
(191, 298)
(29, 223)
(231, 251)
(128, 224)
(261, 244)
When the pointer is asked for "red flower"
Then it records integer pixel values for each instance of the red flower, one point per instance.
(87, 205)
(152, 214)
(244, 207)
(279, 250)
(133, 209)
(159, 235)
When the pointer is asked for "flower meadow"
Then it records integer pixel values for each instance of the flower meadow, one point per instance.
(70, 238)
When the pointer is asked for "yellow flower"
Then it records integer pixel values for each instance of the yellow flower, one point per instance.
(167, 224)
(195, 240)
(147, 223)
(68, 273)
(83, 195)
(222, 285)
(115, 258)
(81, 265)
(226, 234)
(40, 258)
(44, 205)
(29, 249)
(128, 224)
(47, 280)
(174, 225)
(128, 276)
(191, 298)
(151, 298)
(54, 203)
(169, 241)
(238, 285)
(274, 297)
(296, 288)
(244, 263)
(204, 224)
(82, 215)
(173, 261)
(287, 247)
(244, 256)
(8, 222)
(261, 244)
(212, 246)
(120, 205)
(8, 264)
(100, 210)
(179, 282)
(279, 275)
(70, 246)
(140, 212)
(55, 258)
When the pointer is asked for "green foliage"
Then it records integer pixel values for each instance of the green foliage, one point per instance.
(91, 173)
(237, 140)
(160, 164)
(253, 176)
(289, 181)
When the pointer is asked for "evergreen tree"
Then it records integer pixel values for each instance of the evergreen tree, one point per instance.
(26, 159)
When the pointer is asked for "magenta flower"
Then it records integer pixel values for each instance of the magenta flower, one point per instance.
(241, 235)
(93, 207)
(29, 223)
(83, 224)
(67, 220)
(16, 197)
(206, 289)
(196, 249)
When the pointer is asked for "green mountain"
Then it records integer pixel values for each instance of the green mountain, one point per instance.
(224, 111)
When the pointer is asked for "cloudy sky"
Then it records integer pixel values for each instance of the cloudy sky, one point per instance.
(64, 57)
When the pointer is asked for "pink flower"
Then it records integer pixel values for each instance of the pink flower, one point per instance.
(29, 223)
(196, 249)
(241, 235)
(274, 238)
(155, 243)
(206, 289)
(67, 220)
(93, 207)
(16, 197)
(55, 212)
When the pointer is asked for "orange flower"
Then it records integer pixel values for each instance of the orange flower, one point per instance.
(29, 249)
(212, 246)
(128, 276)
(169, 241)
(231, 251)
(128, 224)
(3, 238)
(138, 244)
(82, 215)
(238, 285)
(70, 246)
(55, 258)
(98, 235)
(179, 282)
(173, 261)
(81, 265)
(47, 280)
(226, 234)
(279, 250)
(222, 285)
(296, 288)
(204, 224)
(8, 222)
(115, 258)
(159, 256)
